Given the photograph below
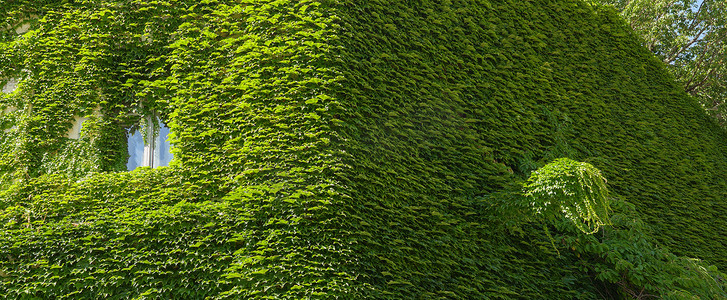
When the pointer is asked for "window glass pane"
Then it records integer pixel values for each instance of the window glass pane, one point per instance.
(75, 131)
(155, 154)
(10, 86)
(162, 155)
(136, 150)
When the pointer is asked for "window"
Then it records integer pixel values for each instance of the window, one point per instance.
(10, 86)
(75, 131)
(12, 83)
(7, 123)
(154, 153)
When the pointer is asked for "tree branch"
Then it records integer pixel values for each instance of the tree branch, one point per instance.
(679, 51)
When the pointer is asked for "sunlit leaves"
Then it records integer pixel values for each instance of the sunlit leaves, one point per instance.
(570, 189)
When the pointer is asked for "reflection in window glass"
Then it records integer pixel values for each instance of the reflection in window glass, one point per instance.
(162, 155)
(155, 154)
(136, 150)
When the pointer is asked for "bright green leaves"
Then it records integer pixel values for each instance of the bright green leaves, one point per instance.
(570, 189)
(355, 136)
(628, 255)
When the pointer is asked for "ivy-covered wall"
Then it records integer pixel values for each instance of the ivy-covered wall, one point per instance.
(350, 149)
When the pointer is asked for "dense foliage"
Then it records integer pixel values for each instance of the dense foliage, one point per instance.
(690, 36)
(570, 189)
(347, 149)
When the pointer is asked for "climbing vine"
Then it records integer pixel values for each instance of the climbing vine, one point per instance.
(570, 189)
(338, 149)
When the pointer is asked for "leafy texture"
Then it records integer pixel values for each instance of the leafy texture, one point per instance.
(570, 189)
(342, 149)
(690, 36)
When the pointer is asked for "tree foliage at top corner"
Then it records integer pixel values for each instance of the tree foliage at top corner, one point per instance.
(689, 36)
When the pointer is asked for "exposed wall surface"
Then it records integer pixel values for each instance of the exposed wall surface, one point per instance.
(345, 149)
